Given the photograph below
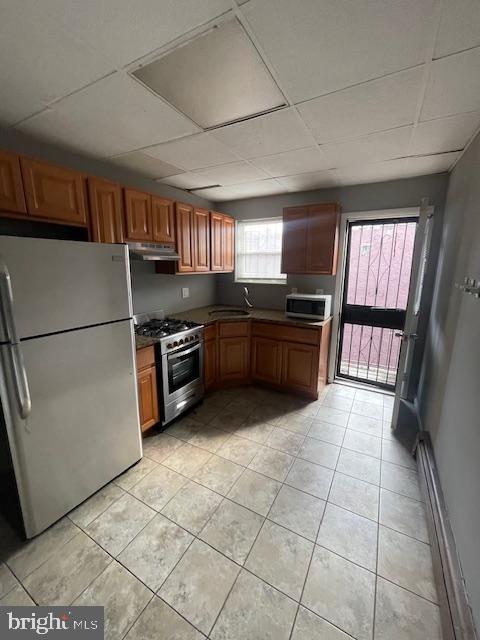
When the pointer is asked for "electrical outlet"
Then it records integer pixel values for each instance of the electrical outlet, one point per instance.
(319, 292)
(185, 292)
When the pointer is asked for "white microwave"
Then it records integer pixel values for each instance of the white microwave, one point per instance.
(308, 306)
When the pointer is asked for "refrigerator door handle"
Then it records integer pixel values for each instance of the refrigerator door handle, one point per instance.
(6, 310)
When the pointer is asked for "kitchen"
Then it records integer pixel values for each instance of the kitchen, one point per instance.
(229, 360)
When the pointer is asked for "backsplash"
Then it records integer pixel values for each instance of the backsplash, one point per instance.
(153, 291)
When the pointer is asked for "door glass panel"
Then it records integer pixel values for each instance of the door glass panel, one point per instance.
(183, 369)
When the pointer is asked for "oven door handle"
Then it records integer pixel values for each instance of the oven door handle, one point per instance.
(185, 352)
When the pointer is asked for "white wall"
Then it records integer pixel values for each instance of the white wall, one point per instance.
(449, 397)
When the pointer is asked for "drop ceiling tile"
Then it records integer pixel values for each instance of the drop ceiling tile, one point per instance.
(376, 172)
(319, 47)
(265, 135)
(444, 134)
(193, 152)
(127, 30)
(375, 147)
(245, 190)
(187, 180)
(40, 61)
(56, 127)
(152, 167)
(120, 106)
(437, 163)
(459, 27)
(305, 181)
(454, 85)
(293, 162)
(217, 194)
(217, 77)
(374, 106)
(233, 173)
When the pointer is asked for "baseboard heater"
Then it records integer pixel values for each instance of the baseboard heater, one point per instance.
(457, 620)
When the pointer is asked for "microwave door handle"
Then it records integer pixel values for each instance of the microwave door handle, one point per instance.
(22, 389)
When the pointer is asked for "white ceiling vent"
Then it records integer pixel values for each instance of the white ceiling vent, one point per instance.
(214, 79)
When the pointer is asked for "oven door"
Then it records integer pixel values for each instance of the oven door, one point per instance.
(182, 370)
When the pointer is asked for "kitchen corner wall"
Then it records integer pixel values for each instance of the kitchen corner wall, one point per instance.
(366, 197)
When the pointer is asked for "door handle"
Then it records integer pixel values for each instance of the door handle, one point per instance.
(406, 336)
(22, 389)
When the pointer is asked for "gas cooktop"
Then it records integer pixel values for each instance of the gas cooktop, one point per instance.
(163, 328)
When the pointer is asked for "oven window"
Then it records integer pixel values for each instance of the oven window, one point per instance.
(308, 307)
(183, 369)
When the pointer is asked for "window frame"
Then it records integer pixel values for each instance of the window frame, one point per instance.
(264, 280)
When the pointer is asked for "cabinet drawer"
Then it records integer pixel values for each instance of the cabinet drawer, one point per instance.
(210, 331)
(285, 332)
(145, 357)
(232, 329)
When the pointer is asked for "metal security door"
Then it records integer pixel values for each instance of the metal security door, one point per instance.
(377, 280)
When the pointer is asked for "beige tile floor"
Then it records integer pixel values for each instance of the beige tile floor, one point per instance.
(258, 516)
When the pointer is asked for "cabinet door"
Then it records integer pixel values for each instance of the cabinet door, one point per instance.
(201, 237)
(54, 193)
(184, 231)
(300, 367)
(228, 244)
(233, 359)
(267, 360)
(147, 397)
(322, 239)
(11, 188)
(163, 220)
(106, 210)
(138, 215)
(210, 363)
(216, 241)
(294, 239)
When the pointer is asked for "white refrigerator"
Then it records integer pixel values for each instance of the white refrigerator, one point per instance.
(67, 371)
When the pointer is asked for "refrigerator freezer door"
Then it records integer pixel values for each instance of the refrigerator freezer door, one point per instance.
(59, 285)
(83, 429)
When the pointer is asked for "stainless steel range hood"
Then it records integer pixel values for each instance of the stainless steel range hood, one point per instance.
(152, 251)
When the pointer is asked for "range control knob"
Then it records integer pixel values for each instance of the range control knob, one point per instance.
(180, 342)
(175, 344)
(169, 345)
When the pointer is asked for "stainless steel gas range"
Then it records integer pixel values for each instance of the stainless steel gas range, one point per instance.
(179, 361)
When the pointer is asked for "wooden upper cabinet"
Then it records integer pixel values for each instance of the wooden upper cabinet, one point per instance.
(163, 219)
(138, 215)
(12, 198)
(322, 239)
(228, 243)
(294, 239)
(184, 228)
(310, 239)
(216, 241)
(201, 236)
(106, 210)
(53, 192)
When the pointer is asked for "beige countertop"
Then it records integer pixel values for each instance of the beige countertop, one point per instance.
(203, 315)
(143, 341)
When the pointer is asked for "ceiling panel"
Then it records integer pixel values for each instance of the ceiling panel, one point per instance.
(459, 27)
(245, 190)
(377, 172)
(431, 164)
(304, 181)
(148, 166)
(233, 173)
(187, 180)
(374, 106)
(56, 127)
(319, 47)
(265, 135)
(127, 30)
(444, 134)
(454, 85)
(375, 147)
(293, 162)
(215, 78)
(194, 152)
(40, 61)
(120, 106)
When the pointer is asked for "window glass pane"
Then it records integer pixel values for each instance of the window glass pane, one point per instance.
(259, 250)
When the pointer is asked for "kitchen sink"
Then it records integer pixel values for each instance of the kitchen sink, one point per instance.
(222, 313)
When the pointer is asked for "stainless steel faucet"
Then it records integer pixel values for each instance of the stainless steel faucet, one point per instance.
(248, 304)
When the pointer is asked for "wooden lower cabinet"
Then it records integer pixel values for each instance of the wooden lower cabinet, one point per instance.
(210, 363)
(233, 359)
(300, 367)
(147, 388)
(266, 360)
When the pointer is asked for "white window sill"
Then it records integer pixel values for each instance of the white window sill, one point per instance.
(282, 283)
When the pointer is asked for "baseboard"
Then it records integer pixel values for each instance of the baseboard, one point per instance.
(456, 614)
